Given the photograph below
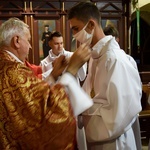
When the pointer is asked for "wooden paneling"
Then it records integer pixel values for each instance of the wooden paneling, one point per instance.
(145, 77)
(31, 11)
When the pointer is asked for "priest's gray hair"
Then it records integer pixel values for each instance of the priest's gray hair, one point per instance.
(10, 28)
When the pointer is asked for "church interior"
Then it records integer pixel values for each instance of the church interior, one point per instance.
(130, 17)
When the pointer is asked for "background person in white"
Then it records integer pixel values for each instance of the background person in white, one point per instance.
(56, 44)
(112, 81)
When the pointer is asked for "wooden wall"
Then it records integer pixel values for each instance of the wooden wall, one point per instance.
(37, 12)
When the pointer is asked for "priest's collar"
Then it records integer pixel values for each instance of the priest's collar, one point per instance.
(12, 55)
(51, 54)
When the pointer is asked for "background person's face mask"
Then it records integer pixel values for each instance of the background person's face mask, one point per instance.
(83, 36)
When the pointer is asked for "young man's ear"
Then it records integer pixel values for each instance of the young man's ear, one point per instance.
(117, 39)
(91, 24)
(16, 41)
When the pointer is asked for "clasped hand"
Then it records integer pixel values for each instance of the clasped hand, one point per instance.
(72, 65)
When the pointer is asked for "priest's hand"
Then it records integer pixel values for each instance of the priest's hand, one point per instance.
(58, 66)
(80, 56)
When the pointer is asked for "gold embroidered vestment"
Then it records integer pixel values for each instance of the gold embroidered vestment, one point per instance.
(33, 115)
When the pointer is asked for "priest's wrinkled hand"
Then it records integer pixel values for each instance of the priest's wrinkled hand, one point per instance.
(80, 56)
(58, 66)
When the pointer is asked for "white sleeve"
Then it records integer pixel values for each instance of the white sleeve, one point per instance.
(80, 101)
(116, 112)
(124, 93)
(124, 97)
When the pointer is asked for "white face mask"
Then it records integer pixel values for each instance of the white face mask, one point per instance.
(84, 37)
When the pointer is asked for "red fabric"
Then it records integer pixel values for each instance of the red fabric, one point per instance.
(37, 70)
